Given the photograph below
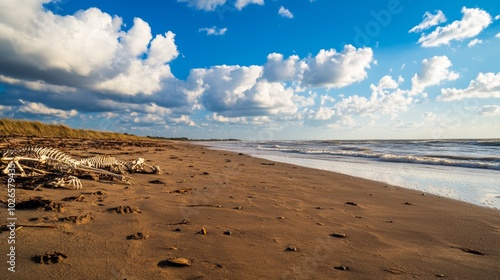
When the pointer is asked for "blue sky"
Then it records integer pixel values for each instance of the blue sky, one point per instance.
(255, 69)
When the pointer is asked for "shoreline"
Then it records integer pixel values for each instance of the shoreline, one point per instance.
(478, 187)
(280, 217)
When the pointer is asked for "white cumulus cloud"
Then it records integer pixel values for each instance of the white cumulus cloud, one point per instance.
(474, 20)
(388, 83)
(385, 98)
(240, 4)
(183, 119)
(213, 31)
(284, 12)
(486, 85)
(474, 42)
(35, 108)
(332, 69)
(328, 68)
(279, 69)
(430, 20)
(238, 91)
(321, 114)
(326, 98)
(212, 5)
(136, 40)
(434, 71)
(489, 110)
(206, 5)
(235, 91)
(38, 85)
(4, 109)
(238, 120)
(146, 119)
(86, 50)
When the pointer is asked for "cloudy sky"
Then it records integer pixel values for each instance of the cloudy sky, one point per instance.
(255, 69)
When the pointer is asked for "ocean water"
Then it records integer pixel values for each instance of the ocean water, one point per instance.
(467, 170)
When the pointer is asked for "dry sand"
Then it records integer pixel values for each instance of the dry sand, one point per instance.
(263, 220)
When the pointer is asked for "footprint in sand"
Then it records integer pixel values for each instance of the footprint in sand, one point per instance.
(125, 210)
(157, 181)
(137, 236)
(38, 202)
(77, 219)
(74, 198)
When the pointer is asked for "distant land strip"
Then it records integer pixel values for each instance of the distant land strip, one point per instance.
(25, 128)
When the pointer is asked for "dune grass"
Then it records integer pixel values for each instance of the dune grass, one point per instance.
(9, 127)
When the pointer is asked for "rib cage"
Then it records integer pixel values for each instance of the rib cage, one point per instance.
(39, 152)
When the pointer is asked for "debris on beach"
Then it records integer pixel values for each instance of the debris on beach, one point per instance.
(183, 222)
(74, 198)
(157, 181)
(291, 249)
(138, 236)
(175, 262)
(471, 251)
(394, 270)
(50, 258)
(183, 191)
(338, 235)
(205, 205)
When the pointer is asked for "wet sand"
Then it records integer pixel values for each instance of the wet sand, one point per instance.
(263, 220)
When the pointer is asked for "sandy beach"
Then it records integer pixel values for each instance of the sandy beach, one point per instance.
(232, 216)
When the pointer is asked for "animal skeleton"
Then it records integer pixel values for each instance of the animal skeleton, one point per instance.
(64, 163)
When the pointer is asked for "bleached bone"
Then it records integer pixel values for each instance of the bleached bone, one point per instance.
(139, 164)
(15, 160)
(66, 182)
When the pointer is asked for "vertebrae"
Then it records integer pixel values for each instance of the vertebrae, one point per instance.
(103, 162)
(114, 165)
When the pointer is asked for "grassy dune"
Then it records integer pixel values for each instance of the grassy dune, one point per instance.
(10, 127)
